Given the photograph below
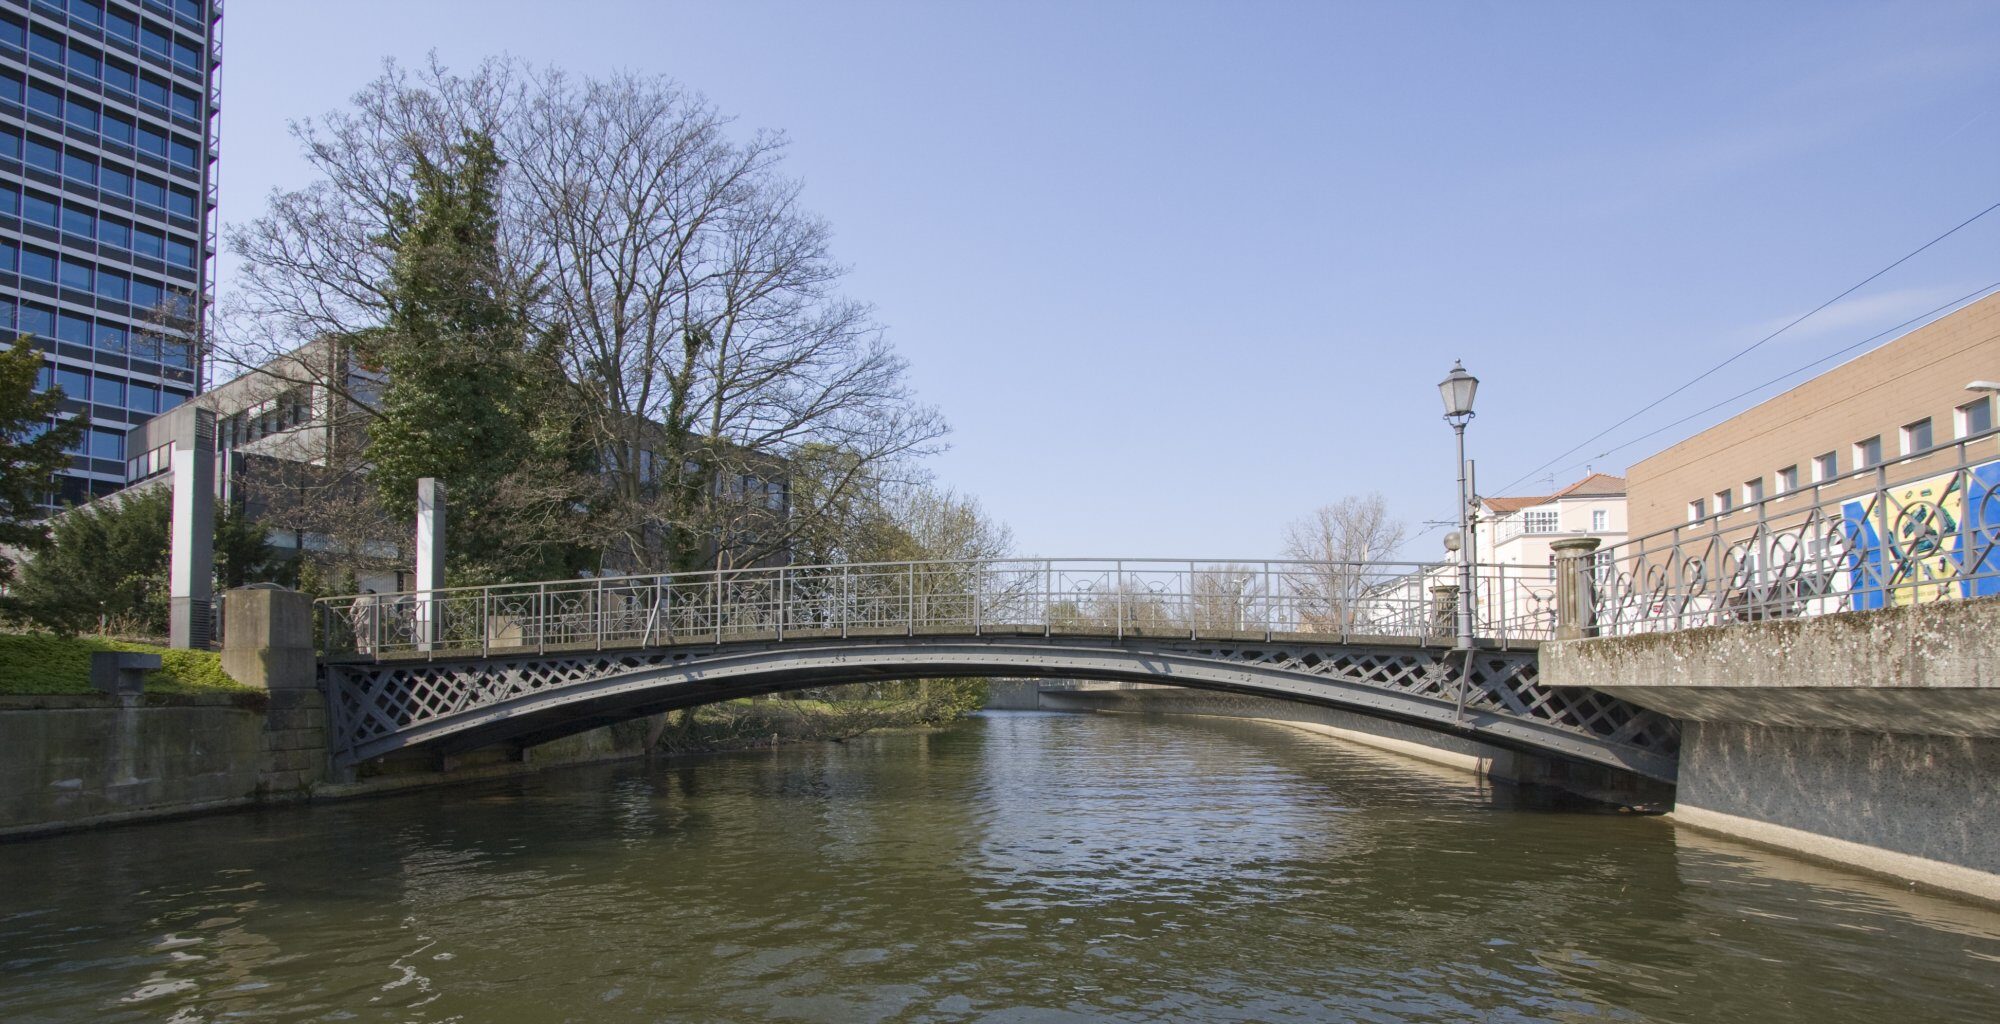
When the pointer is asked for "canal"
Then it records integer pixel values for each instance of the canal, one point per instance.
(1018, 867)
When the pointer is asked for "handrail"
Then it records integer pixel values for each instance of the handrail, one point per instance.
(1917, 529)
(1118, 597)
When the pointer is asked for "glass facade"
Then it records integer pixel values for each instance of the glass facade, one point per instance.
(107, 207)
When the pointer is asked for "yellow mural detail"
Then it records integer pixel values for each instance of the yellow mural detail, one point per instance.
(1921, 556)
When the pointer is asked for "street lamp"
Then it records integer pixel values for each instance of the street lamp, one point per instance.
(1457, 389)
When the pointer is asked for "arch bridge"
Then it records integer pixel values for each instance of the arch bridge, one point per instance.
(453, 670)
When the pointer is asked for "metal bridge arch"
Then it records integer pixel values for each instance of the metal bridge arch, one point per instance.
(387, 704)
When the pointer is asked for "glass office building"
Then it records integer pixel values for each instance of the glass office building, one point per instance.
(108, 116)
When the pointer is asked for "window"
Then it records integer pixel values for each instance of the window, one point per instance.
(39, 265)
(150, 193)
(45, 47)
(1541, 520)
(1826, 467)
(1753, 491)
(187, 104)
(1975, 417)
(82, 62)
(181, 203)
(146, 242)
(113, 231)
(180, 254)
(120, 26)
(108, 391)
(153, 39)
(36, 320)
(187, 56)
(117, 128)
(10, 145)
(145, 294)
(1697, 509)
(170, 398)
(78, 167)
(1917, 436)
(1600, 520)
(47, 101)
(77, 275)
(114, 181)
(74, 383)
(73, 329)
(83, 117)
(44, 156)
(1788, 479)
(106, 444)
(39, 211)
(153, 142)
(120, 77)
(78, 221)
(144, 398)
(88, 11)
(181, 153)
(113, 285)
(10, 202)
(1868, 452)
(152, 90)
(1724, 501)
(10, 257)
(111, 337)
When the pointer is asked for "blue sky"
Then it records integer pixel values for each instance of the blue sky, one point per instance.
(1178, 273)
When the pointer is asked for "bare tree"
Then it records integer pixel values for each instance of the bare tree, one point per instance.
(693, 303)
(1346, 540)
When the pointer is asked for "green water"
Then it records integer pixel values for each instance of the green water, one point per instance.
(1016, 868)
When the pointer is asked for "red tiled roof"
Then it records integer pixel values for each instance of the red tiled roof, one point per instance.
(1594, 485)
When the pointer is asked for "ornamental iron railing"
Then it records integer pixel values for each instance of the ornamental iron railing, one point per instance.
(1915, 530)
(1162, 598)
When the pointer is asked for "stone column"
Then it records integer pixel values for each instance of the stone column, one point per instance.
(1444, 610)
(269, 645)
(430, 557)
(191, 572)
(1576, 587)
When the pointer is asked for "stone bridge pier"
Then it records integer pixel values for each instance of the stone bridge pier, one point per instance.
(1871, 738)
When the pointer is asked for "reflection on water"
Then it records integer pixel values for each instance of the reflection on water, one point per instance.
(1020, 867)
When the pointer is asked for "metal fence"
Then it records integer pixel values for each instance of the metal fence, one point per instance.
(1914, 530)
(1097, 597)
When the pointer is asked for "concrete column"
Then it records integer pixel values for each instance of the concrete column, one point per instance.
(1576, 587)
(270, 640)
(191, 572)
(430, 557)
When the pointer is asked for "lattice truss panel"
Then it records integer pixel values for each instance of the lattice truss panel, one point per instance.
(374, 701)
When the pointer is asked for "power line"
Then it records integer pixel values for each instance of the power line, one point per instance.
(1961, 300)
(1754, 346)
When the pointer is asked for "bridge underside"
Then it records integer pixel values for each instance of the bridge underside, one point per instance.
(452, 705)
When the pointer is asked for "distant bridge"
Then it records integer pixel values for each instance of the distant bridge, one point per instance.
(453, 670)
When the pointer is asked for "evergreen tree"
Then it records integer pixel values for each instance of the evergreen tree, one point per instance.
(107, 564)
(33, 446)
(471, 399)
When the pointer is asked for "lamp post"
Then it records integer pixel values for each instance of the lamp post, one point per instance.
(1457, 389)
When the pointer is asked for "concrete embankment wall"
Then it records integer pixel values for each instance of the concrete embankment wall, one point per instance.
(1424, 744)
(80, 761)
(1868, 738)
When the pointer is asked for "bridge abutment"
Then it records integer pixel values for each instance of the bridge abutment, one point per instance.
(1868, 738)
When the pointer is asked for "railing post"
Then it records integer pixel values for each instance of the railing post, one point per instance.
(600, 614)
(541, 617)
(1118, 590)
(910, 608)
(485, 622)
(1048, 598)
(781, 602)
(847, 597)
(1193, 610)
(718, 606)
(1576, 588)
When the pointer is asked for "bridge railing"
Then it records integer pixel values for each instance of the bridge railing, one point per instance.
(1914, 530)
(1098, 597)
